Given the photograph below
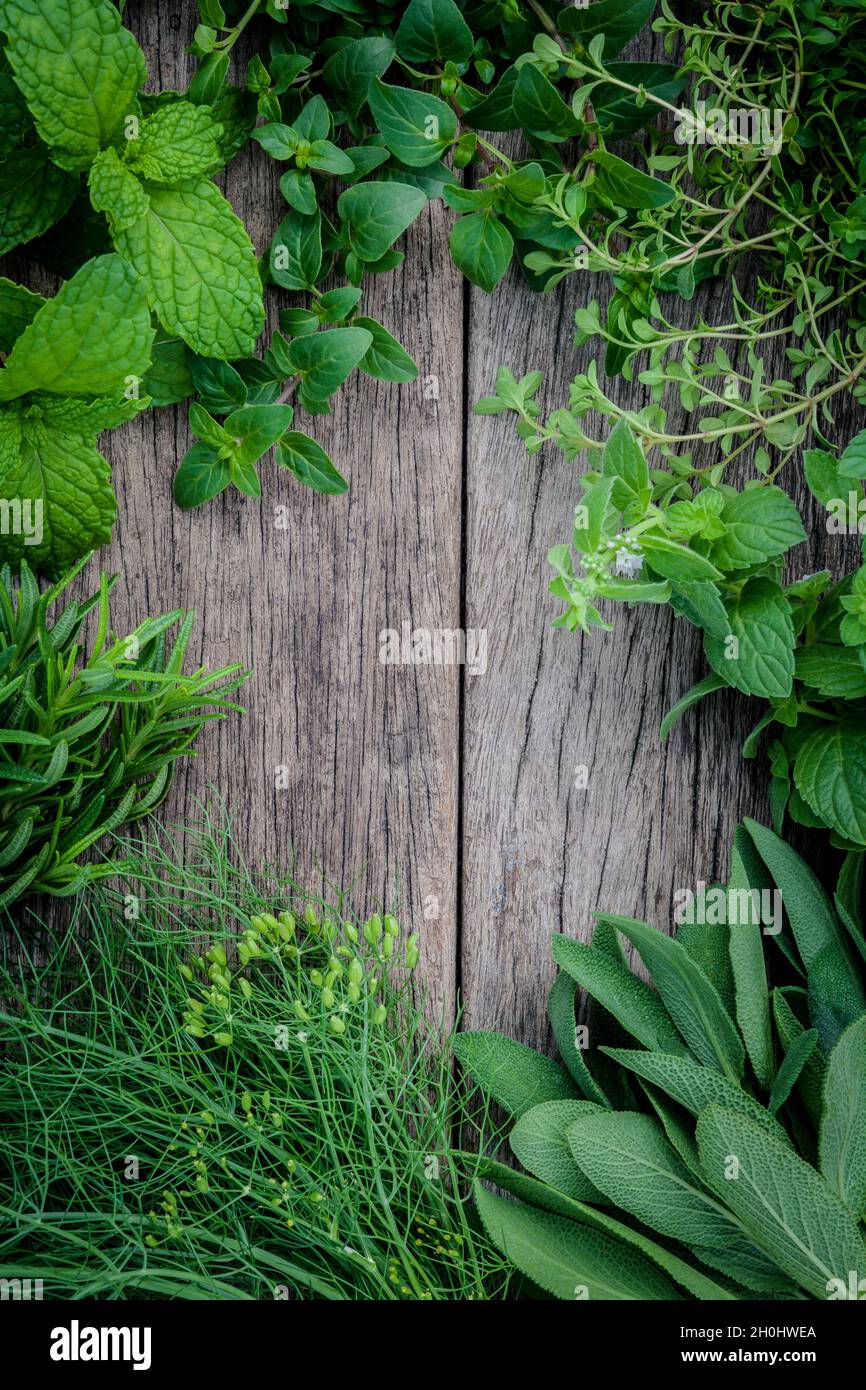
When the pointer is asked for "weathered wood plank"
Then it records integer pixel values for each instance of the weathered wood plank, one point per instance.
(541, 854)
(370, 750)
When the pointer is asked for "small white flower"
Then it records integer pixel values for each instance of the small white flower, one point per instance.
(302, 1037)
(628, 563)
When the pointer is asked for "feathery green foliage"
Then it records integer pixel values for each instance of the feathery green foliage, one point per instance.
(88, 742)
(190, 1112)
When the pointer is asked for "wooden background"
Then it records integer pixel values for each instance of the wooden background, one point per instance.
(449, 795)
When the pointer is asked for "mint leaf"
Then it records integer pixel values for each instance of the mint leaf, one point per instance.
(79, 69)
(50, 459)
(836, 672)
(168, 379)
(116, 191)
(177, 142)
(34, 194)
(87, 340)
(18, 307)
(853, 461)
(759, 523)
(623, 460)
(199, 268)
(310, 464)
(375, 214)
(830, 774)
(758, 654)
(415, 126)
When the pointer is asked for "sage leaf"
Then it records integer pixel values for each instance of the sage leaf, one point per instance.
(789, 1210)
(810, 913)
(693, 1085)
(516, 1076)
(691, 1000)
(560, 1010)
(842, 1145)
(746, 949)
(537, 1194)
(567, 1260)
(631, 1002)
(539, 1142)
(789, 1072)
(627, 1156)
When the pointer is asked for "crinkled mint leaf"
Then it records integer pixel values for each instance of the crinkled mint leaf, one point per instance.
(199, 269)
(88, 340)
(87, 417)
(757, 655)
(169, 377)
(116, 191)
(79, 70)
(60, 473)
(15, 119)
(34, 194)
(759, 523)
(830, 773)
(177, 142)
(18, 307)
